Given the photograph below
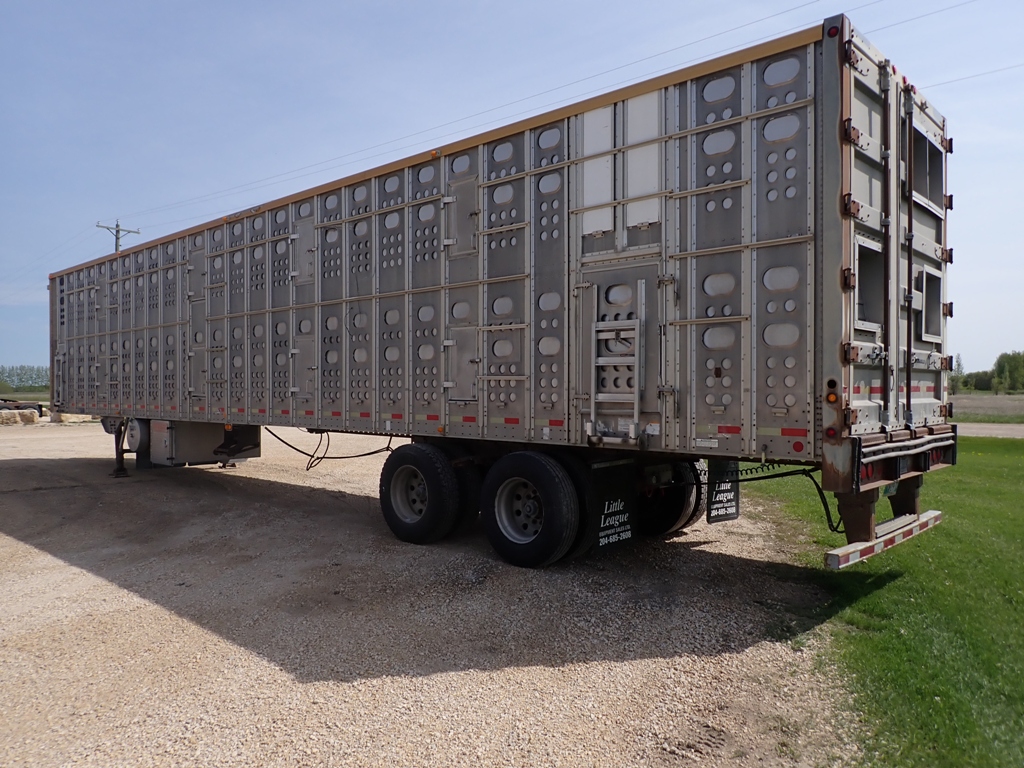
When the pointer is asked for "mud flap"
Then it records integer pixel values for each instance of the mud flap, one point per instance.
(615, 495)
(723, 491)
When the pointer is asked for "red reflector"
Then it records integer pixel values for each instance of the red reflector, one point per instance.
(396, 417)
(364, 415)
(286, 413)
(792, 432)
(309, 413)
(263, 410)
(557, 422)
(509, 420)
(830, 432)
(798, 447)
(833, 31)
(335, 413)
(433, 417)
(724, 430)
(469, 419)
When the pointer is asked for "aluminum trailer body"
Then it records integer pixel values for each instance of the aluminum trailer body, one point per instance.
(742, 260)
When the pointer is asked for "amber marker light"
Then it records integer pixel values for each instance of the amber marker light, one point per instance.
(832, 397)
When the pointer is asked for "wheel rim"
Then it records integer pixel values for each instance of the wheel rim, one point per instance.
(409, 494)
(519, 511)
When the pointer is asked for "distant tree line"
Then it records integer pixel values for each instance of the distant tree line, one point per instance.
(1007, 375)
(23, 378)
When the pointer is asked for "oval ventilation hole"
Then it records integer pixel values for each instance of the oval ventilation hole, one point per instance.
(426, 212)
(719, 337)
(719, 142)
(359, 320)
(425, 352)
(331, 357)
(305, 326)
(236, 361)
(782, 71)
(719, 88)
(549, 182)
(257, 331)
(781, 278)
(502, 305)
(549, 138)
(502, 348)
(392, 316)
(257, 253)
(391, 184)
(331, 235)
(719, 284)
(236, 333)
(391, 354)
(460, 310)
(360, 355)
(502, 152)
(620, 295)
(257, 361)
(359, 193)
(781, 128)
(425, 314)
(361, 228)
(549, 301)
(281, 217)
(331, 323)
(502, 194)
(392, 220)
(281, 329)
(549, 346)
(304, 210)
(460, 164)
(426, 174)
(781, 335)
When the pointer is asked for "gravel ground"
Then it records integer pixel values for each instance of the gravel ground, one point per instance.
(265, 616)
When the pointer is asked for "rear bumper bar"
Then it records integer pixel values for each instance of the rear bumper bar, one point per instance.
(887, 535)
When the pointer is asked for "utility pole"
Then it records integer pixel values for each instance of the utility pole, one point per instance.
(117, 232)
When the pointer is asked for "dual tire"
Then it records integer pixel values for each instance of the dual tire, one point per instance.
(528, 503)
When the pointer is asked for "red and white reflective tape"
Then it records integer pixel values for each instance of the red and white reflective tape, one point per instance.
(861, 550)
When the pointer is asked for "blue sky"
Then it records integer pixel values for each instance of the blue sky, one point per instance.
(171, 114)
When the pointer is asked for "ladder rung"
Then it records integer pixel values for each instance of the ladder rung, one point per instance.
(604, 361)
(603, 397)
(613, 325)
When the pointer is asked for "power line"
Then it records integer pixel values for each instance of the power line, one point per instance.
(244, 187)
(972, 77)
(921, 16)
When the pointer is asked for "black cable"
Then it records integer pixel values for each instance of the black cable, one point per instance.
(315, 460)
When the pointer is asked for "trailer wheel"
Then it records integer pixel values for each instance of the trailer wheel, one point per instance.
(529, 509)
(419, 494)
(670, 509)
(470, 481)
(589, 507)
(699, 472)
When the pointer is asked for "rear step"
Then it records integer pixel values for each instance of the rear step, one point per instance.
(887, 535)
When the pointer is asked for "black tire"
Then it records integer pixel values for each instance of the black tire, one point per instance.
(589, 506)
(667, 510)
(470, 480)
(529, 509)
(699, 472)
(419, 494)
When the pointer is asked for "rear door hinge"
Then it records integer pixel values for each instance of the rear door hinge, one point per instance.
(851, 353)
(850, 416)
(946, 364)
(849, 279)
(947, 255)
(851, 207)
(947, 309)
(851, 132)
(852, 57)
(949, 202)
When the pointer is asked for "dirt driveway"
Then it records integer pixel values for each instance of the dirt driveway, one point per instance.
(265, 616)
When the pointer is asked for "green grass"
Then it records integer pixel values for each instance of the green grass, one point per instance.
(988, 418)
(33, 397)
(931, 633)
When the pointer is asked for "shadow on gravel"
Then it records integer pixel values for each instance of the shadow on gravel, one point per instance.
(313, 581)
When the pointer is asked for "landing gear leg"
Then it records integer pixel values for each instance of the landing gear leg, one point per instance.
(119, 469)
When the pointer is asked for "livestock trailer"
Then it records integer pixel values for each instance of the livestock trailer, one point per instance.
(741, 261)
